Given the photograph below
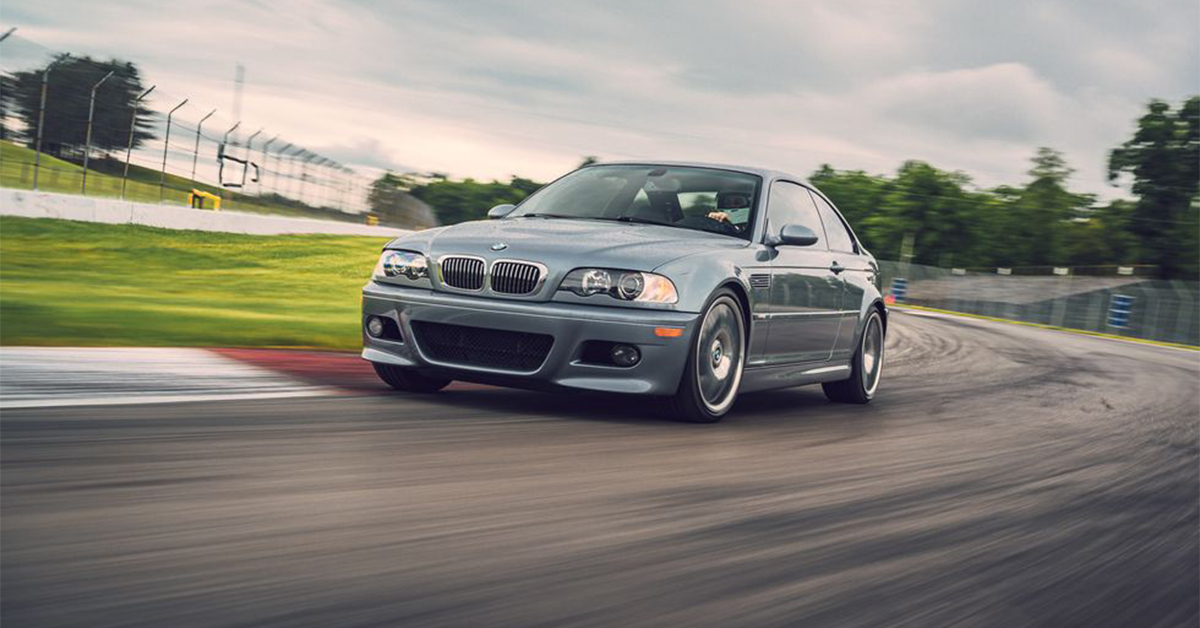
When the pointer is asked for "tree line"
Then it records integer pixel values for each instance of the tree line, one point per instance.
(68, 90)
(938, 217)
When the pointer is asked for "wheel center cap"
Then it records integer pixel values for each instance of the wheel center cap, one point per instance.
(717, 353)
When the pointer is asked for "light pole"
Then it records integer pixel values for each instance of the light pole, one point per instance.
(37, 154)
(196, 148)
(129, 145)
(162, 177)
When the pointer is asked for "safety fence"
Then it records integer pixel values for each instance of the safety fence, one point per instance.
(107, 135)
(1123, 301)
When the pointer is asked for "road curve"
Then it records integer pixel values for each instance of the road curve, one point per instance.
(1004, 476)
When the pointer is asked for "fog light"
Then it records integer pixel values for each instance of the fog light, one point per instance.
(625, 355)
(375, 326)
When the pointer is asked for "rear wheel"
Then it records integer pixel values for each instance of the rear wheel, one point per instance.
(866, 368)
(715, 362)
(408, 380)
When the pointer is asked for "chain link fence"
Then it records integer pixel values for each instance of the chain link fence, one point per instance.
(185, 151)
(1123, 301)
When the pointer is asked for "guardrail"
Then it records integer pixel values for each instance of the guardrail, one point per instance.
(112, 211)
(1121, 302)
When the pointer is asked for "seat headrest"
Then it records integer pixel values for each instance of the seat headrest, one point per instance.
(732, 200)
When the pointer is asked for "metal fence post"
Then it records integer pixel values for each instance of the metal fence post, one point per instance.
(87, 142)
(291, 184)
(129, 145)
(196, 148)
(250, 143)
(221, 158)
(162, 177)
(304, 172)
(1150, 328)
(279, 155)
(263, 175)
(37, 150)
(1183, 314)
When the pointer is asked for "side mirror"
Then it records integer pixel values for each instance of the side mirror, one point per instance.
(797, 235)
(500, 211)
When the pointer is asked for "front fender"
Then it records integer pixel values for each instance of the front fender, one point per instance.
(696, 277)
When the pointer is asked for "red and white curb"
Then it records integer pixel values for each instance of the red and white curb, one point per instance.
(72, 376)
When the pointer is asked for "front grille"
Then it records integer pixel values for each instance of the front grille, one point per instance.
(515, 277)
(464, 273)
(477, 346)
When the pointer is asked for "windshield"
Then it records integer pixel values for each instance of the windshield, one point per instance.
(704, 199)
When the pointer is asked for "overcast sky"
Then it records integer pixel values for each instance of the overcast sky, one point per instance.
(489, 89)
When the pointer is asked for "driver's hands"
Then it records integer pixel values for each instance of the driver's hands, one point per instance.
(719, 216)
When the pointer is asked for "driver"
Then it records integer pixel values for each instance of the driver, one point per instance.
(733, 208)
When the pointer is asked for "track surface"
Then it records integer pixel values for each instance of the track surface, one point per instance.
(1005, 476)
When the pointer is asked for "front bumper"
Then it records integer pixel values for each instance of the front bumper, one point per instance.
(657, 373)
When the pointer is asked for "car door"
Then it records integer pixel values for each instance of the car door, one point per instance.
(852, 267)
(805, 294)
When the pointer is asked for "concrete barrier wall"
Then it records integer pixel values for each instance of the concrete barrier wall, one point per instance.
(114, 211)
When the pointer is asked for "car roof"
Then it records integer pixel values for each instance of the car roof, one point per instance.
(765, 173)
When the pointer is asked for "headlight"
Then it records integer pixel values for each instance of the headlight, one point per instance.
(626, 285)
(403, 264)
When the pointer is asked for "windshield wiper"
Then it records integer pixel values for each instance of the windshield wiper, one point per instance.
(635, 219)
(544, 215)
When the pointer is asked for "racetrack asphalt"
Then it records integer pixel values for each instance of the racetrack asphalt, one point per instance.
(1004, 476)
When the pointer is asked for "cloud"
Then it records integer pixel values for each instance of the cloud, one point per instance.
(487, 88)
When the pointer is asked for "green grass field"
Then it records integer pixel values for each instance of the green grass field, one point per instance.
(104, 179)
(71, 283)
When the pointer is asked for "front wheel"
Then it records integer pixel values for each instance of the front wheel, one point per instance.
(408, 380)
(715, 362)
(865, 369)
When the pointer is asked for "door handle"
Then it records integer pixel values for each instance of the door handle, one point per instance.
(837, 268)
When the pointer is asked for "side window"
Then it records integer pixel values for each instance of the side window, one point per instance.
(791, 204)
(839, 238)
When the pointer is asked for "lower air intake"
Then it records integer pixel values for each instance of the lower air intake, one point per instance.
(478, 346)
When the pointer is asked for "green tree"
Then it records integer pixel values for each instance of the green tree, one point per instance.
(933, 207)
(1163, 156)
(389, 197)
(1034, 229)
(856, 193)
(7, 86)
(460, 201)
(67, 98)
(1100, 237)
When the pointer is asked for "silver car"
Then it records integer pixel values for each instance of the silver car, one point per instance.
(687, 282)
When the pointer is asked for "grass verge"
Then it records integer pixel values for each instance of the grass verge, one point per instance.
(104, 180)
(83, 284)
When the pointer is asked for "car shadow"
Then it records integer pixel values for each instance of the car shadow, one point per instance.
(800, 406)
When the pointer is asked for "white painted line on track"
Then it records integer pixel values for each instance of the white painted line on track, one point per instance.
(72, 376)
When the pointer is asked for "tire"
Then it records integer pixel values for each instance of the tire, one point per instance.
(713, 371)
(866, 369)
(408, 380)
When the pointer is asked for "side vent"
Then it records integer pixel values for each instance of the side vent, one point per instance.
(760, 281)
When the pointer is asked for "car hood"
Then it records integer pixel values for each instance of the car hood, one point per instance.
(563, 244)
